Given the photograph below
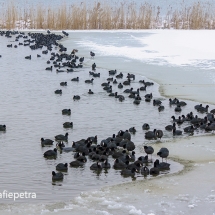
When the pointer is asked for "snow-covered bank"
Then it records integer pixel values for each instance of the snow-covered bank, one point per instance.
(185, 59)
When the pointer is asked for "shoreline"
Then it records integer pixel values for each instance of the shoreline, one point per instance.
(176, 189)
(188, 82)
(164, 92)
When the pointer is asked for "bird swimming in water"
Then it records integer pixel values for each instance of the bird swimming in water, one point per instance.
(92, 54)
(57, 176)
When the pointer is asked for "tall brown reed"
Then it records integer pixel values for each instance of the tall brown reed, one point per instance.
(102, 15)
(196, 16)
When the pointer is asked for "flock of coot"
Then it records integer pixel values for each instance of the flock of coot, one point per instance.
(118, 148)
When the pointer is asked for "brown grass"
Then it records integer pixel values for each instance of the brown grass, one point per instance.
(101, 15)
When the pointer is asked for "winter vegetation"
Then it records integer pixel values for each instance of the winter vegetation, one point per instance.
(101, 15)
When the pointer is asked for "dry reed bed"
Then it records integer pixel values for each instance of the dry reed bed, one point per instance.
(104, 16)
